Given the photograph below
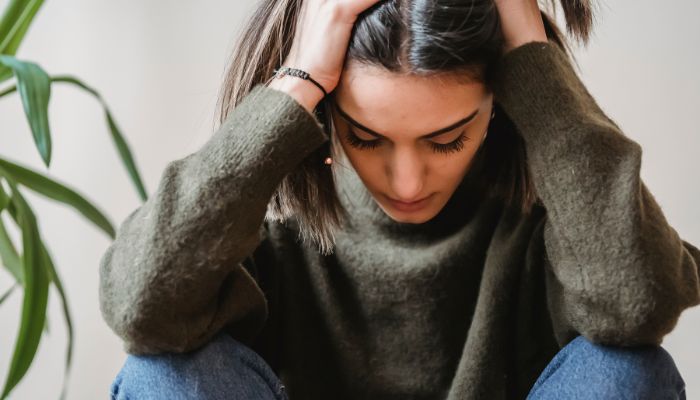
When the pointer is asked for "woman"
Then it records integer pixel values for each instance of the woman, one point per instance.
(284, 260)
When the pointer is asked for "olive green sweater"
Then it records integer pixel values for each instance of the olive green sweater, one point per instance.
(469, 305)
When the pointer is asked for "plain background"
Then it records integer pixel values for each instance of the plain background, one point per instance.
(159, 65)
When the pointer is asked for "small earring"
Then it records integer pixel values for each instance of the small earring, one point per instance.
(328, 161)
(493, 113)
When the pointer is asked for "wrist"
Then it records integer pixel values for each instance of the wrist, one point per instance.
(303, 91)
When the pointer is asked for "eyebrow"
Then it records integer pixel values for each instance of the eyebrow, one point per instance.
(438, 132)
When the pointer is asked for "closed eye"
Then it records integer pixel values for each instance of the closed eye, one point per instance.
(451, 147)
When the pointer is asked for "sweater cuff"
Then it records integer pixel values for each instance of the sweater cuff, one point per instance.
(265, 137)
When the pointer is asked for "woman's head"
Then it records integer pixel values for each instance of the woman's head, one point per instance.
(409, 137)
(413, 67)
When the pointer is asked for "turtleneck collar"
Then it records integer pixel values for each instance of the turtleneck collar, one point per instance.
(364, 213)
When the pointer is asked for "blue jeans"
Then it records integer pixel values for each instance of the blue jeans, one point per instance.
(225, 368)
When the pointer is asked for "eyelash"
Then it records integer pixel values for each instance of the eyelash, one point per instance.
(451, 147)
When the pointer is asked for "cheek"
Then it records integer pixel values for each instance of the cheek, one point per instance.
(367, 163)
(447, 172)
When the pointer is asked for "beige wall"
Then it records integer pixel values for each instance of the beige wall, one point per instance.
(159, 63)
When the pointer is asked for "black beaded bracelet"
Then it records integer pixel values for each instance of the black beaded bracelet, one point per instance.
(299, 74)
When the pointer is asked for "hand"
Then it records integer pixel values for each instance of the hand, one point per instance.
(319, 46)
(521, 22)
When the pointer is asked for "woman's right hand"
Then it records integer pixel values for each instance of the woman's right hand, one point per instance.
(319, 47)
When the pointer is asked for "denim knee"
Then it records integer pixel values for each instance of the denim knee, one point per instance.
(224, 368)
(586, 370)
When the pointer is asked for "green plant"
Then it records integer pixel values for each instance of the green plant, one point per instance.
(33, 268)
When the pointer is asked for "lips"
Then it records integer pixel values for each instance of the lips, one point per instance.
(412, 206)
(409, 202)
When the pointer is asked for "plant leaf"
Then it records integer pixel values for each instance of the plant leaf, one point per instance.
(10, 89)
(8, 292)
(59, 192)
(34, 89)
(53, 274)
(54, 277)
(4, 198)
(8, 253)
(5, 73)
(14, 24)
(117, 137)
(36, 291)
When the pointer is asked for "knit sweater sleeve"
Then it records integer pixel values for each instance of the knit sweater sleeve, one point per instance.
(178, 269)
(616, 272)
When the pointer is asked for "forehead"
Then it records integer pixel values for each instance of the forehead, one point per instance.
(386, 101)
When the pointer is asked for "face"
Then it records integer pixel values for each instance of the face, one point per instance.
(409, 138)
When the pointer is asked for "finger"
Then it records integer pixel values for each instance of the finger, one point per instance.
(355, 7)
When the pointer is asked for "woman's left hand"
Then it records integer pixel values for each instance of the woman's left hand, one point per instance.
(521, 22)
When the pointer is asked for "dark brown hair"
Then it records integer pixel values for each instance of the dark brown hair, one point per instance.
(423, 37)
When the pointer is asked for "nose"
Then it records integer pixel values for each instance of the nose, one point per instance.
(406, 173)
